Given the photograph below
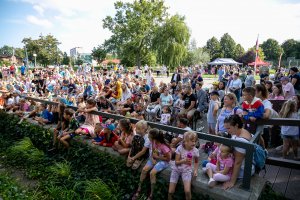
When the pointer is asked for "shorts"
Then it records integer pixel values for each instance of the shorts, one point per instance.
(292, 137)
(212, 126)
(72, 135)
(159, 166)
(175, 174)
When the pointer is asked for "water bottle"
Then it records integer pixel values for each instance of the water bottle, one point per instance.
(190, 157)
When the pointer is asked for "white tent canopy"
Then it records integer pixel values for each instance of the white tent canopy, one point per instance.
(224, 61)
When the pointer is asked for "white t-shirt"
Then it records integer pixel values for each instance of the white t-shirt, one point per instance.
(147, 142)
(165, 100)
(183, 155)
(242, 151)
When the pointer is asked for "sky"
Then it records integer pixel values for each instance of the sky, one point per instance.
(78, 23)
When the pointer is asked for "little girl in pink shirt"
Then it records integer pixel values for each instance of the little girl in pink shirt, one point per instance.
(222, 171)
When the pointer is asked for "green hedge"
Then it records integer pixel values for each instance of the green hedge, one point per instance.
(80, 172)
(85, 164)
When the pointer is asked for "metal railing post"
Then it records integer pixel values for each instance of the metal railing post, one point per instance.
(248, 167)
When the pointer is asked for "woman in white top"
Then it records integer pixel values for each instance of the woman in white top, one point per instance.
(234, 126)
(235, 86)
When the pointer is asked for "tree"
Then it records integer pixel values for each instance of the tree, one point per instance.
(272, 49)
(227, 46)
(133, 28)
(66, 59)
(197, 56)
(289, 48)
(213, 47)
(46, 49)
(260, 53)
(7, 50)
(247, 57)
(238, 51)
(99, 54)
(79, 61)
(171, 41)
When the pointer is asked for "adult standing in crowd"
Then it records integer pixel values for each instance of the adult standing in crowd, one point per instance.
(235, 86)
(287, 87)
(176, 77)
(295, 79)
(249, 81)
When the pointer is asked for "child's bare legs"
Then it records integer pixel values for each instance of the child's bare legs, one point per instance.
(172, 188)
(153, 181)
(187, 190)
(55, 134)
(116, 146)
(124, 151)
(286, 147)
(209, 172)
(143, 176)
(64, 141)
(295, 148)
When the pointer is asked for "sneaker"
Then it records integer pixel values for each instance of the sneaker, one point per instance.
(211, 183)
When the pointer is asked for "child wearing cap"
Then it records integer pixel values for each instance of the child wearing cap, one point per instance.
(213, 108)
(107, 136)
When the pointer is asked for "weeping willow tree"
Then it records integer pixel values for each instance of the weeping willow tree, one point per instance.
(171, 41)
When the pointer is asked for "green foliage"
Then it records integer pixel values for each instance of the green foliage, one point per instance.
(143, 33)
(227, 46)
(99, 54)
(79, 62)
(213, 47)
(238, 51)
(62, 169)
(171, 41)
(9, 189)
(272, 49)
(25, 151)
(66, 59)
(260, 53)
(290, 49)
(97, 189)
(46, 49)
(269, 194)
(80, 173)
(8, 50)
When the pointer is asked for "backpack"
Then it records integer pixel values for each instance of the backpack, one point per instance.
(260, 155)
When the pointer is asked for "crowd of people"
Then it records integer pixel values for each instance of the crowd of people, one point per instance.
(234, 96)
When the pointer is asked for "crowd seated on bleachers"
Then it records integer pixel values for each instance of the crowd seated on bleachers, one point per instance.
(134, 95)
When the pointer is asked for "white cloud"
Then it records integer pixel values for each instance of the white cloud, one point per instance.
(79, 23)
(40, 22)
(39, 9)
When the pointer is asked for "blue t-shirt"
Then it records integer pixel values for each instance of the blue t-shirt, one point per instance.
(23, 68)
(47, 115)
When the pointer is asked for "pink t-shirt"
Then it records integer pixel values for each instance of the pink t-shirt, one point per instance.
(183, 155)
(226, 162)
(160, 149)
(288, 91)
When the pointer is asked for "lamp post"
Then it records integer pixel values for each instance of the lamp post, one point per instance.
(34, 59)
